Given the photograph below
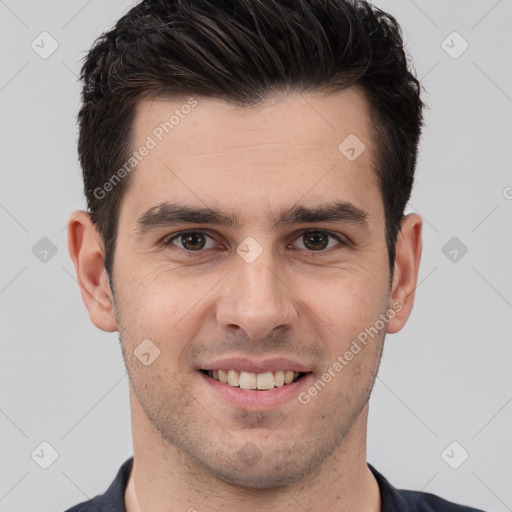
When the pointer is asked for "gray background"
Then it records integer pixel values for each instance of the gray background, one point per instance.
(444, 378)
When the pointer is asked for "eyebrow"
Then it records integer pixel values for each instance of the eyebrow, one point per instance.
(168, 214)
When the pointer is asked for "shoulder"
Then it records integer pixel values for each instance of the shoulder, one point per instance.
(113, 498)
(402, 500)
(98, 504)
(84, 506)
(427, 502)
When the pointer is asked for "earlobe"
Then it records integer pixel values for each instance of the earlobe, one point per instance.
(405, 276)
(87, 252)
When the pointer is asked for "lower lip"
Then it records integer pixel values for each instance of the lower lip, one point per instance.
(257, 400)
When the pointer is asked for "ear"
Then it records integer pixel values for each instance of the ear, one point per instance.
(405, 275)
(88, 255)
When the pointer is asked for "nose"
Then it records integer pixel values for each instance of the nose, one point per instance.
(257, 299)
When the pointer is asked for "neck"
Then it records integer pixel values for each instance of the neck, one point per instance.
(165, 479)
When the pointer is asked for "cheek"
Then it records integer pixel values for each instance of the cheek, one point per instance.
(162, 306)
(157, 293)
(345, 305)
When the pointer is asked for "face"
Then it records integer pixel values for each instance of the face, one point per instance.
(289, 274)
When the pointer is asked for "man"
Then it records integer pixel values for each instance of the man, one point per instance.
(247, 164)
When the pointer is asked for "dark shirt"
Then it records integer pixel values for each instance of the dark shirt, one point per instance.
(392, 500)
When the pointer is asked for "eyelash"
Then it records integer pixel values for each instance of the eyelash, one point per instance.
(342, 243)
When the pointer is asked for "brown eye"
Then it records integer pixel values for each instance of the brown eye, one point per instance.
(191, 240)
(316, 241)
(319, 240)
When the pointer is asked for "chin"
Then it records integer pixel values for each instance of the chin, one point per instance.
(248, 467)
(260, 478)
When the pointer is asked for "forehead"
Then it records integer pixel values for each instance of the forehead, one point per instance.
(313, 121)
(207, 152)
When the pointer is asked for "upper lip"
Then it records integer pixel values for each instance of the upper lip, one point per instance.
(246, 365)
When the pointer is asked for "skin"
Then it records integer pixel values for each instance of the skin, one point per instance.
(191, 448)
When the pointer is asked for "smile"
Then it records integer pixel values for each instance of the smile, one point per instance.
(254, 381)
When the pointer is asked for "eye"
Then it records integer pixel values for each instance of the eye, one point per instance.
(317, 240)
(192, 240)
(312, 240)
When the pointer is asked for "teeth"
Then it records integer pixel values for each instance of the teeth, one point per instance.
(233, 378)
(279, 378)
(288, 377)
(265, 380)
(249, 380)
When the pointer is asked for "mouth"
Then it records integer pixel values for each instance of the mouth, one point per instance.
(266, 391)
(250, 381)
(255, 381)
(254, 385)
